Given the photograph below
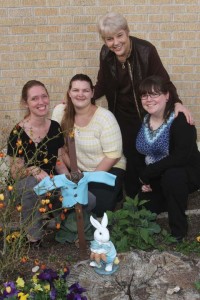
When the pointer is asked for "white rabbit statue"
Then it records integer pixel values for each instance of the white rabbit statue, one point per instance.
(103, 251)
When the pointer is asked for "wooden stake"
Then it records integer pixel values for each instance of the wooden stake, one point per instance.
(75, 177)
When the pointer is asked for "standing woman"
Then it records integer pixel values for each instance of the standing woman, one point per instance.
(98, 141)
(124, 62)
(172, 160)
(34, 146)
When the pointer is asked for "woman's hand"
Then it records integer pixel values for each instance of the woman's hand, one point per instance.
(181, 108)
(41, 175)
(146, 188)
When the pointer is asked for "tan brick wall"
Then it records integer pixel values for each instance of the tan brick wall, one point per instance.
(51, 40)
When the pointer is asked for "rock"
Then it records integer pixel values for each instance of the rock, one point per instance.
(142, 275)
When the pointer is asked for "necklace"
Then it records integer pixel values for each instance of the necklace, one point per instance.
(36, 134)
(123, 64)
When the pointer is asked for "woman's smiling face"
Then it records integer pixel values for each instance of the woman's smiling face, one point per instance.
(38, 101)
(81, 94)
(119, 43)
(154, 103)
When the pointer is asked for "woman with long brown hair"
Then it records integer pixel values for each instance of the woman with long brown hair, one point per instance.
(98, 141)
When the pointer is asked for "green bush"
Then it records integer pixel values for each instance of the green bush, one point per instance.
(133, 226)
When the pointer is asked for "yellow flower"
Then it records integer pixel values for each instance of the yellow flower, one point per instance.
(1, 197)
(45, 160)
(23, 296)
(43, 201)
(71, 134)
(34, 278)
(8, 238)
(13, 236)
(19, 207)
(116, 261)
(38, 287)
(20, 282)
(47, 287)
(19, 143)
(198, 238)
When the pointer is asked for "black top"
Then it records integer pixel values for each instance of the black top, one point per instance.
(44, 154)
(183, 152)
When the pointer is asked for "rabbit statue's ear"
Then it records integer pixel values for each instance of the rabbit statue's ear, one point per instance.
(95, 223)
(104, 221)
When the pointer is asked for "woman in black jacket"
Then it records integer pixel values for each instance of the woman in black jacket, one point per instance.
(124, 62)
(172, 160)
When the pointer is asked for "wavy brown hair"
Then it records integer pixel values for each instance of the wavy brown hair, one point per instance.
(67, 123)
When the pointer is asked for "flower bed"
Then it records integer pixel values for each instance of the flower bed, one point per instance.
(44, 285)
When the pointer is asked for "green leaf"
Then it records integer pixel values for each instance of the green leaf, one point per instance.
(154, 228)
(144, 234)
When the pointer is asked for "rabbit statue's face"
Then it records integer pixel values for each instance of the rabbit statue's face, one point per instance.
(102, 235)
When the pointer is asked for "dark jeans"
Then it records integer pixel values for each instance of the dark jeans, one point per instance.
(170, 193)
(131, 180)
(107, 196)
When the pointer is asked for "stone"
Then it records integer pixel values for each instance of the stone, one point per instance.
(142, 275)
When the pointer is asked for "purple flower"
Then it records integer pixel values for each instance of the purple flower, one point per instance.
(75, 292)
(76, 288)
(10, 290)
(73, 296)
(49, 275)
(53, 293)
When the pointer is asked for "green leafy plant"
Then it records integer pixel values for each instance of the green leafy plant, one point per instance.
(133, 226)
(187, 247)
(197, 285)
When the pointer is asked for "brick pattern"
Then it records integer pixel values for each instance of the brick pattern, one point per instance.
(52, 40)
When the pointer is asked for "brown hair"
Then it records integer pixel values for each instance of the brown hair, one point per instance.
(67, 123)
(159, 85)
(26, 88)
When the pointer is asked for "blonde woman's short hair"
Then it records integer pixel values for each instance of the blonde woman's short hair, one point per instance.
(111, 23)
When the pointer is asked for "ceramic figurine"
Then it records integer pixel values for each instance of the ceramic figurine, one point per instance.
(103, 253)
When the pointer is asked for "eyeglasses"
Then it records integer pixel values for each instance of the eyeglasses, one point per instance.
(152, 96)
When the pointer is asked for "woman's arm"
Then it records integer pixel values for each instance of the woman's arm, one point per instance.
(106, 164)
(19, 171)
(64, 162)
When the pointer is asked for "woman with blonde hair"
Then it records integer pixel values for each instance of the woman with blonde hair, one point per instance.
(125, 61)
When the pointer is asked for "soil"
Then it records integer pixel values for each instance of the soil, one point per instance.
(55, 255)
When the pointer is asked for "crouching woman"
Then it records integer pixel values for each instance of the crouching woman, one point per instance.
(172, 160)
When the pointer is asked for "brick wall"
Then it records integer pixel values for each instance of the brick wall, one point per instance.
(51, 40)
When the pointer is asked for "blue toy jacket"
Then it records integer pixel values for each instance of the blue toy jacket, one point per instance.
(73, 192)
(107, 248)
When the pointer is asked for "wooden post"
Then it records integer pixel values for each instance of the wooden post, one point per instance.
(75, 177)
